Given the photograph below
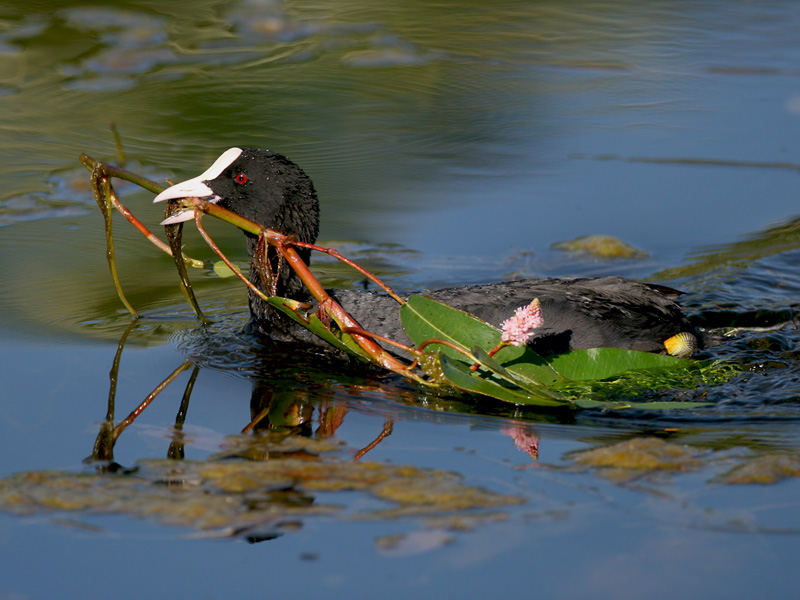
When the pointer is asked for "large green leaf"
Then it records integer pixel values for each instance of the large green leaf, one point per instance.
(342, 341)
(519, 375)
(460, 376)
(537, 395)
(603, 363)
(425, 319)
(621, 405)
(516, 379)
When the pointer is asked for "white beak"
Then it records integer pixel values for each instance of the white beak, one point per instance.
(197, 187)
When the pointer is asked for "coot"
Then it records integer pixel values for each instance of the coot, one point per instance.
(271, 190)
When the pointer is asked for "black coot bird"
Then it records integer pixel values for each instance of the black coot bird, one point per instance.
(271, 190)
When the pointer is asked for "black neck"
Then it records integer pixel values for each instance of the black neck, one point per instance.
(281, 281)
(279, 196)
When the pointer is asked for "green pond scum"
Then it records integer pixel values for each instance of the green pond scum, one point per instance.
(638, 456)
(603, 247)
(645, 457)
(228, 496)
(242, 498)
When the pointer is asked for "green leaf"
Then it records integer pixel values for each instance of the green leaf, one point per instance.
(532, 386)
(425, 319)
(527, 365)
(519, 375)
(222, 270)
(342, 341)
(621, 405)
(603, 363)
(460, 376)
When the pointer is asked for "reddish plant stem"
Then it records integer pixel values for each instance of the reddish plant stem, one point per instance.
(256, 420)
(283, 244)
(335, 253)
(491, 352)
(198, 216)
(455, 347)
(139, 225)
(149, 234)
(150, 397)
(376, 336)
(388, 426)
(334, 309)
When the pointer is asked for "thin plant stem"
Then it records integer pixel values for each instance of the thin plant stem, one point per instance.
(198, 221)
(103, 199)
(118, 145)
(455, 347)
(388, 426)
(174, 235)
(150, 397)
(376, 336)
(350, 263)
(256, 420)
(107, 171)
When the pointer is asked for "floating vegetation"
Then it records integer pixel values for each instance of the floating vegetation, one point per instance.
(638, 456)
(272, 444)
(600, 246)
(628, 460)
(237, 497)
(766, 469)
(643, 389)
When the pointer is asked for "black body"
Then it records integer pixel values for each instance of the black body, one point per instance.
(269, 189)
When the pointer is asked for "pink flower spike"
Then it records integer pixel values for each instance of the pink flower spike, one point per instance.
(519, 328)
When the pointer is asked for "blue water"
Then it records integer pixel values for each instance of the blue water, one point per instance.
(473, 136)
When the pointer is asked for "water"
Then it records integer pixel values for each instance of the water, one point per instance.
(449, 145)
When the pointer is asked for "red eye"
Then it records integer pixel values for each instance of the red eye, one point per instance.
(240, 178)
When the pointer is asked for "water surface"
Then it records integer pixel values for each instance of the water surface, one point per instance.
(450, 144)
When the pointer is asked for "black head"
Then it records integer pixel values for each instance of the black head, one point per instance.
(266, 188)
(260, 185)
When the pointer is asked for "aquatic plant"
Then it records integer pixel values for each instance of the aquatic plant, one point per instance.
(451, 348)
